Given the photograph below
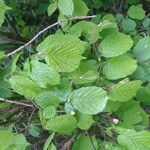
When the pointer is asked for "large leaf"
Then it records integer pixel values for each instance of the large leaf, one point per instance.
(62, 52)
(80, 8)
(86, 28)
(89, 100)
(115, 44)
(119, 67)
(66, 7)
(24, 86)
(136, 12)
(86, 73)
(43, 74)
(84, 121)
(64, 124)
(3, 9)
(124, 92)
(133, 140)
(142, 50)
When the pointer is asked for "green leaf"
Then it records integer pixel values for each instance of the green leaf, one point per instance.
(3, 9)
(142, 50)
(43, 74)
(6, 139)
(84, 121)
(80, 8)
(146, 22)
(124, 92)
(133, 140)
(24, 86)
(5, 87)
(49, 112)
(9, 140)
(128, 25)
(2, 54)
(136, 12)
(66, 7)
(87, 29)
(86, 73)
(115, 44)
(64, 124)
(143, 94)
(62, 52)
(132, 115)
(51, 8)
(109, 17)
(48, 141)
(85, 143)
(47, 98)
(119, 67)
(111, 146)
(19, 142)
(89, 100)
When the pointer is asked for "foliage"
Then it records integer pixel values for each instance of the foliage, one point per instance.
(83, 84)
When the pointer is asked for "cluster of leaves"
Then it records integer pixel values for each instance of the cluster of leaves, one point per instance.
(89, 79)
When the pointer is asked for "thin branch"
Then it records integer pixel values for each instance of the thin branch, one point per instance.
(47, 28)
(16, 102)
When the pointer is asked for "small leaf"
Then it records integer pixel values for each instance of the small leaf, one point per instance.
(80, 8)
(66, 7)
(20, 142)
(47, 98)
(86, 28)
(49, 112)
(48, 141)
(64, 124)
(84, 121)
(86, 73)
(62, 52)
(119, 67)
(85, 143)
(89, 100)
(6, 139)
(128, 25)
(2, 54)
(51, 8)
(124, 92)
(3, 9)
(136, 12)
(115, 44)
(24, 86)
(43, 74)
(142, 50)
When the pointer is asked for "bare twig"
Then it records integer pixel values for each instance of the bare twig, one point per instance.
(16, 102)
(114, 6)
(29, 120)
(47, 28)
